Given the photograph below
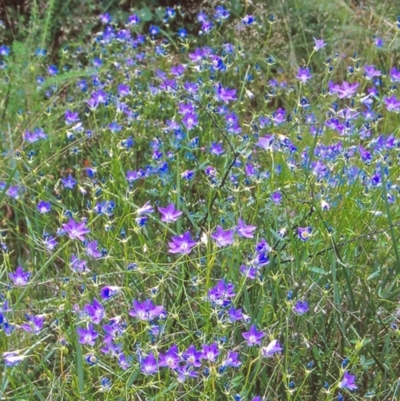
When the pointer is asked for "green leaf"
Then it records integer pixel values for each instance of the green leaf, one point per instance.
(145, 14)
(318, 270)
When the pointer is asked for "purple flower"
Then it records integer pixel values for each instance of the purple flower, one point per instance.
(347, 90)
(133, 176)
(49, 242)
(133, 19)
(181, 244)
(105, 18)
(71, 117)
(145, 209)
(184, 372)
(394, 75)
(148, 365)
(99, 97)
(146, 311)
(178, 70)
(371, 72)
(266, 142)
(20, 277)
(171, 358)
(303, 74)
(223, 237)
(188, 174)
(263, 246)
(12, 358)
(109, 291)
(95, 311)
(35, 324)
(190, 120)
(191, 87)
(87, 336)
(216, 149)
(123, 361)
(304, 233)
(14, 191)
(319, 44)
(278, 116)
(75, 230)
(271, 349)
(235, 314)
(4, 50)
(248, 20)
(225, 95)
(232, 359)
(348, 381)
(210, 352)
(91, 250)
(192, 356)
(248, 272)
(169, 213)
(221, 293)
(123, 90)
(276, 197)
(43, 207)
(68, 182)
(244, 230)
(78, 265)
(253, 336)
(392, 103)
(301, 307)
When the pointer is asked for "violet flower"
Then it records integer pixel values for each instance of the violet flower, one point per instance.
(92, 250)
(148, 365)
(319, 44)
(303, 75)
(271, 349)
(244, 230)
(43, 207)
(223, 237)
(95, 311)
(35, 324)
(266, 142)
(20, 277)
(253, 336)
(169, 213)
(146, 311)
(301, 307)
(192, 356)
(12, 358)
(232, 359)
(145, 209)
(235, 314)
(181, 244)
(190, 121)
(184, 372)
(109, 291)
(76, 230)
(210, 352)
(276, 197)
(87, 336)
(392, 103)
(222, 293)
(68, 182)
(170, 359)
(348, 381)
(225, 95)
(304, 233)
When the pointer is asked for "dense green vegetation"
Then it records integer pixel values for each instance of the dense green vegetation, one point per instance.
(200, 203)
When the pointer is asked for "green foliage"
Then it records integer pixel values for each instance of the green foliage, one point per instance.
(348, 270)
